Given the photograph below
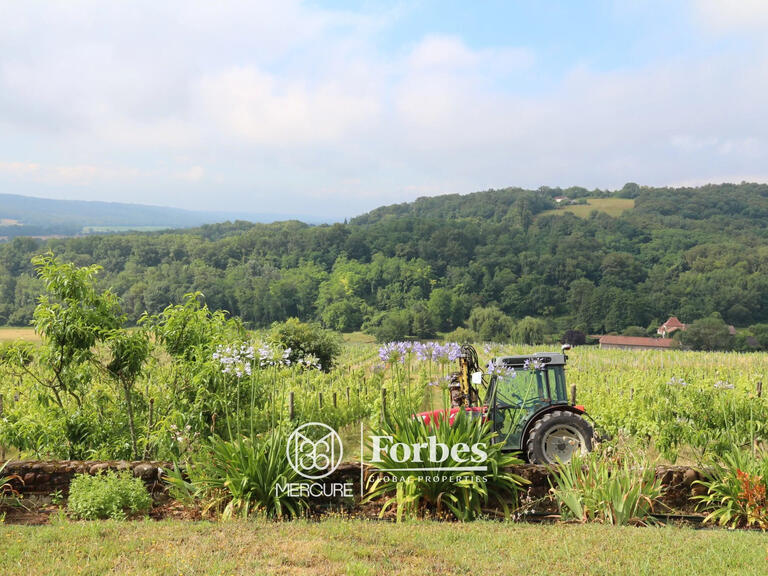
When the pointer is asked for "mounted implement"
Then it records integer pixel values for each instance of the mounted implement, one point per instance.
(526, 399)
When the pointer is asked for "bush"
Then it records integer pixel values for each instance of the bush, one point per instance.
(736, 491)
(116, 495)
(307, 338)
(460, 494)
(597, 489)
(238, 477)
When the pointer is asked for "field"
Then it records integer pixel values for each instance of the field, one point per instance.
(11, 333)
(360, 548)
(611, 206)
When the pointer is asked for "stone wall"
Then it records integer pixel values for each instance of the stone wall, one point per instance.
(44, 478)
(41, 478)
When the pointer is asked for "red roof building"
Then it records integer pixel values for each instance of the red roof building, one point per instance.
(670, 326)
(636, 343)
(674, 324)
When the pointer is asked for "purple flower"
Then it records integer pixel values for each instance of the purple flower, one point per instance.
(534, 364)
(453, 351)
(392, 352)
(500, 369)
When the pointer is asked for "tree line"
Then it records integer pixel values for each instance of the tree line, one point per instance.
(498, 263)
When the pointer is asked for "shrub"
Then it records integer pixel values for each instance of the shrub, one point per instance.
(306, 339)
(238, 477)
(736, 491)
(598, 489)
(461, 494)
(116, 495)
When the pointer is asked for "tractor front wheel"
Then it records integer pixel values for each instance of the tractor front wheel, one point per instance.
(557, 436)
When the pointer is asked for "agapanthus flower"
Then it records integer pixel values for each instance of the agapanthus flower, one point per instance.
(271, 355)
(500, 369)
(235, 359)
(724, 385)
(309, 361)
(534, 364)
(452, 351)
(392, 352)
(677, 382)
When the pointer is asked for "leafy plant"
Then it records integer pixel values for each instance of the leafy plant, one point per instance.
(116, 495)
(736, 491)
(465, 494)
(241, 476)
(612, 491)
(7, 492)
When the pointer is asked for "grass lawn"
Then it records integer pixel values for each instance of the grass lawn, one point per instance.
(376, 548)
(611, 206)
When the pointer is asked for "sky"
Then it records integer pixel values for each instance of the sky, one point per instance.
(327, 109)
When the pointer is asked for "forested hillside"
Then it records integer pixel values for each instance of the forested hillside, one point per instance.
(482, 260)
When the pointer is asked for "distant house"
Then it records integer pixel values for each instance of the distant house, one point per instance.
(674, 324)
(670, 326)
(636, 343)
(562, 200)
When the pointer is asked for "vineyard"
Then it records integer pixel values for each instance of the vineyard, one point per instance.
(193, 387)
(684, 405)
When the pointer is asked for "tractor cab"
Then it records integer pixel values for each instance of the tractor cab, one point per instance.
(528, 406)
(521, 388)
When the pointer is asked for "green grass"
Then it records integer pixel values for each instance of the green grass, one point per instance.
(611, 206)
(362, 547)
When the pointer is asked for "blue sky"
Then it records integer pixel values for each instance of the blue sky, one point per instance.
(328, 109)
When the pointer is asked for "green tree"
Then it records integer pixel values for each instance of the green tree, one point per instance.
(710, 333)
(71, 317)
(490, 324)
(441, 309)
(530, 331)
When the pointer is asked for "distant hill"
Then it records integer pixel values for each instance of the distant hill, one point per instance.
(44, 217)
(597, 261)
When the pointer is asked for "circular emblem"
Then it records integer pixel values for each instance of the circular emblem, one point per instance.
(314, 450)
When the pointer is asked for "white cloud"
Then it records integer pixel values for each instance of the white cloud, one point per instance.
(18, 168)
(732, 15)
(263, 109)
(264, 103)
(194, 174)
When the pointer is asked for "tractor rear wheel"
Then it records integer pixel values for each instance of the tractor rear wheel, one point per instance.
(557, 436)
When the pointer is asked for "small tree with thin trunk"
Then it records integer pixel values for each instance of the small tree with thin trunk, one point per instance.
(73, 319)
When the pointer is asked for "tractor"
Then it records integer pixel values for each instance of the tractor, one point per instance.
(526, 400)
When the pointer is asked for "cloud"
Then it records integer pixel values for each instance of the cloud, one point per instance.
(263, 109)
(263, 103)
(728, 15)
(19, 168)
(194, 174)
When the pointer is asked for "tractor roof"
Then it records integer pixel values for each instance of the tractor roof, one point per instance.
(549, 358)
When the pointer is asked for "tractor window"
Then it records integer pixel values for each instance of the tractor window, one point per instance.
(558, 385)
(523, 389)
